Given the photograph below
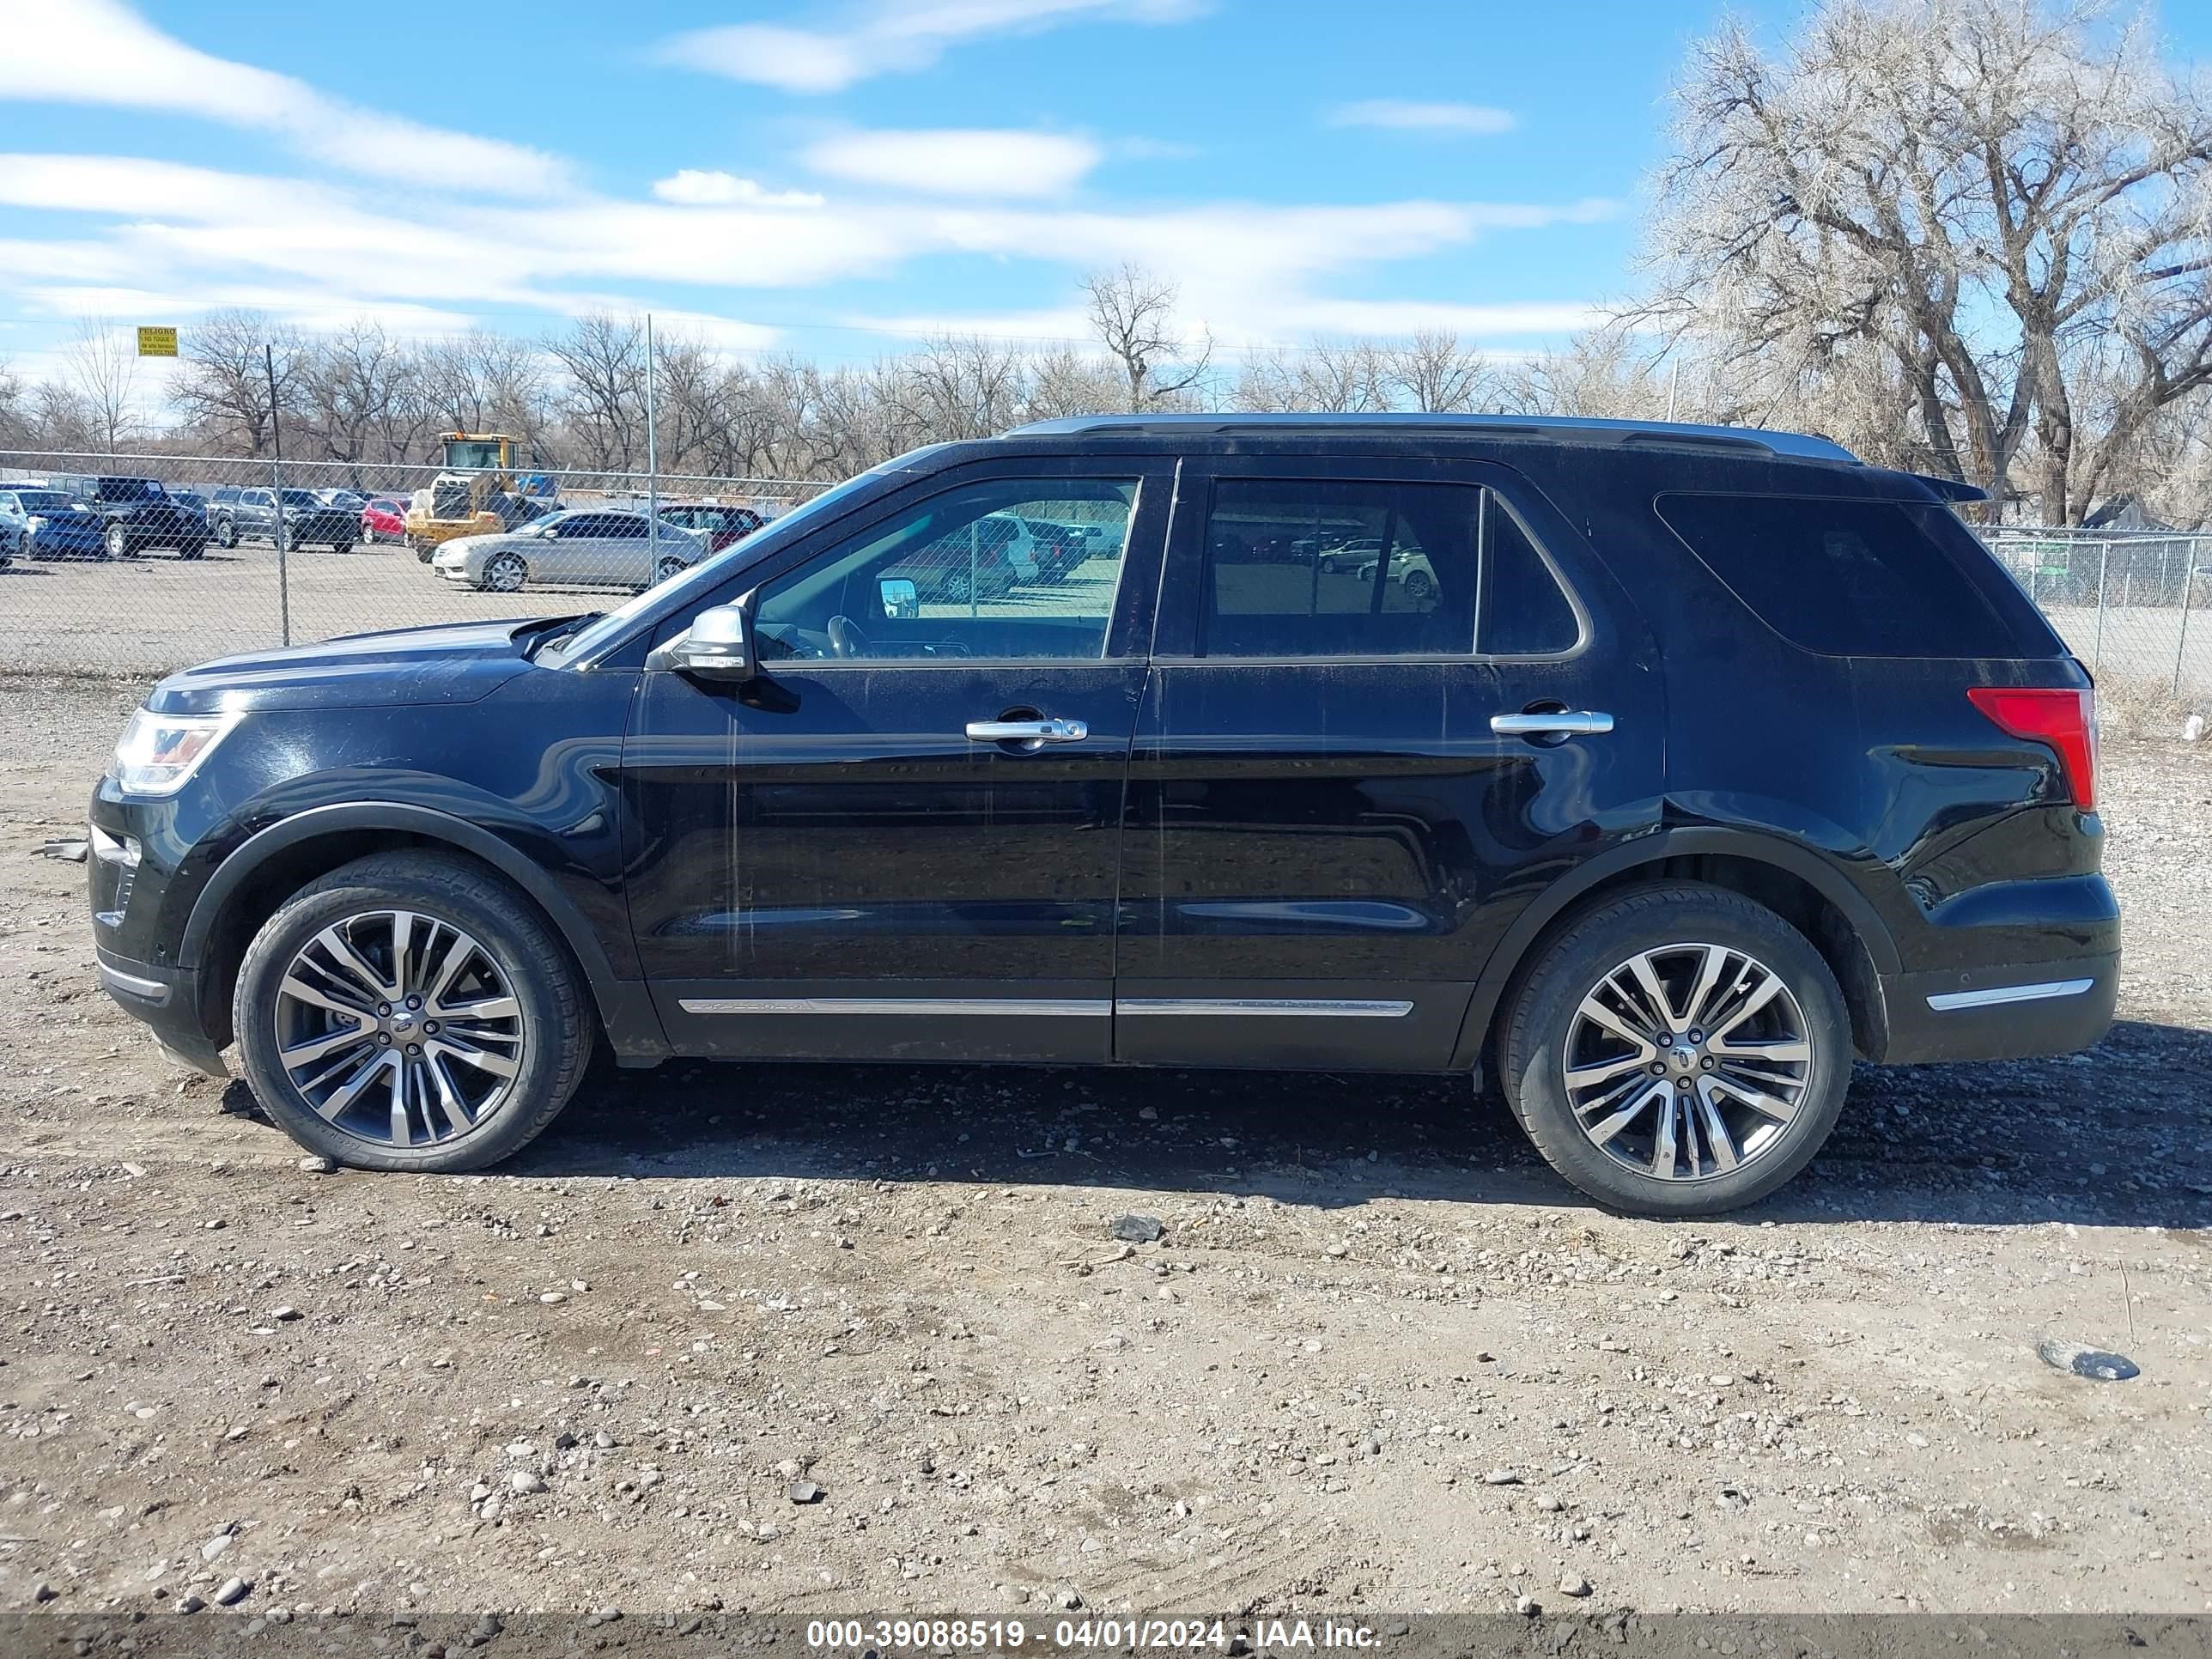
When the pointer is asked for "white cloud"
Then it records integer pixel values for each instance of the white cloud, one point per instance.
(1404, 115)
(883, 36)
(99, 51)
(692, 187)
(952, 161)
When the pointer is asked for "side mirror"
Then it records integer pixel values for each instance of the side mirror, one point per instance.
(899, 596)
(717, 646)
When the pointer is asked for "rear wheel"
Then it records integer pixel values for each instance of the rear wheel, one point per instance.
(226, 532)
(119, 542)
(669, 565)
(1418, 586)
(506, 574)
(411, 1011)
(341, 547)
(192, 550)
(1677, 1050)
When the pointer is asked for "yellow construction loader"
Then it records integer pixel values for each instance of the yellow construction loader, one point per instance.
(475, 493)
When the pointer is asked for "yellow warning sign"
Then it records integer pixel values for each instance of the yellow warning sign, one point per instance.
(157, 342)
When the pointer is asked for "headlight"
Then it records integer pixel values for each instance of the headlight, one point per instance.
(157, 754)
(34, 524)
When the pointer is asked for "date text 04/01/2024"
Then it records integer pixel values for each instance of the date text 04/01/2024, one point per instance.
(1116, 1634)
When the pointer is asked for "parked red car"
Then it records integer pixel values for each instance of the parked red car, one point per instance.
(384, 519)
(724, 526)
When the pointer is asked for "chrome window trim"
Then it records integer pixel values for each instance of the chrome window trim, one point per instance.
(1945, 1002)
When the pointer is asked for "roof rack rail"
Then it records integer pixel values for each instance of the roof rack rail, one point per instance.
(1559, 428)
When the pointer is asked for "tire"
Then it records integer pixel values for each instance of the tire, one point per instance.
(226, 532)
(193, 550)
(511, 955)
(341, 547)
(1676, 923)
(118, 543)
(1418, 586)
(668, 566)
(505, 573)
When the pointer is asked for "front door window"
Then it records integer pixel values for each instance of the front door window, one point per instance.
(1016, 569)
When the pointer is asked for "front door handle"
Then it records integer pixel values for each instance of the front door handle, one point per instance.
(1556, 723)
(1028, 731)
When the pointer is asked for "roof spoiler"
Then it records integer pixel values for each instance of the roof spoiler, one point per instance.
(1951, 490)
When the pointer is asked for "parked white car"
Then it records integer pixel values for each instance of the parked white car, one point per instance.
(586, 547)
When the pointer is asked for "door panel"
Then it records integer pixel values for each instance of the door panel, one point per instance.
(1322, 830)
(825, 864)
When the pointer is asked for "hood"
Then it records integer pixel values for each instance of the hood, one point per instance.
(456, 663)
(462, 546)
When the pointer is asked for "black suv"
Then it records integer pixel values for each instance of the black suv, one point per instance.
(1654, 771)
(136, 515)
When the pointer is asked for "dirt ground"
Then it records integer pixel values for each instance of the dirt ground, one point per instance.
(1381, 1360)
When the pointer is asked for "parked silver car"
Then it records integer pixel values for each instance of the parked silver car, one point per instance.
(581, 548)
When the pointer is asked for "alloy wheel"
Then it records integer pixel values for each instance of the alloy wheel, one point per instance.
(1688, 1062)
(505, 573)
(398, 1028)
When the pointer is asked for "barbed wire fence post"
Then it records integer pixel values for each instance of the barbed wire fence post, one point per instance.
(276, 489)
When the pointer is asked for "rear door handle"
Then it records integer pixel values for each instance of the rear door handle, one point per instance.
(1559, 723)
(1028, 731)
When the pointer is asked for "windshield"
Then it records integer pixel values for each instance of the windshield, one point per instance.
(701, 577)
(300, 498)
(44, 501)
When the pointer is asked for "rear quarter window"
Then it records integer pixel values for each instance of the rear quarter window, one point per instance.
(1855, 577)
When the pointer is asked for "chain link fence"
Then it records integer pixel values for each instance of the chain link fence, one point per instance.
(228, 555)
(2131, 604)
(135, 565)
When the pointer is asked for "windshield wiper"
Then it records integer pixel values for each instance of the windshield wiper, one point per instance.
(549, 638)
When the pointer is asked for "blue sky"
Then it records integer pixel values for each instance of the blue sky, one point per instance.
(834, 177)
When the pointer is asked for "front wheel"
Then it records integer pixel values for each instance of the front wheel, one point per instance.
(119, 542)
(1677, 1050)
(413, 1012)
(668, 566)
(506, 574)
(226, 534)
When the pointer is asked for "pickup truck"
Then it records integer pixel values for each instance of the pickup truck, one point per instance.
(237, 514)
(136, 515)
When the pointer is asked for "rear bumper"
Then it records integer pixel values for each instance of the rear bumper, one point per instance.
(2049, 1007)
(168, 1001)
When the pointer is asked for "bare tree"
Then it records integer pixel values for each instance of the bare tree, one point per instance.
(958, 387)
(15, 419)
(1065, 381)
(223, 390)
(1434, 374)
(1998, 210)
(603, 390)
(363, 396)
(1133, 312)
(480, 381)
(100, 364)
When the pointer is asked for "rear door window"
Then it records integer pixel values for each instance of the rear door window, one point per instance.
(1850, 578)
(1297, 567)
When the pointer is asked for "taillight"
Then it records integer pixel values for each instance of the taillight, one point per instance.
(2066, 720)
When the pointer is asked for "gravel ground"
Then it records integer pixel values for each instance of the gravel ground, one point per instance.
(830, 1338)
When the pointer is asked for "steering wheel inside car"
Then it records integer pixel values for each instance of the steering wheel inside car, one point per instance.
(845, 640)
